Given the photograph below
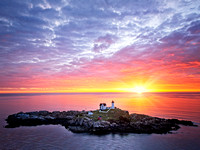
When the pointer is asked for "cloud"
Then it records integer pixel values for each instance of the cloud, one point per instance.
(111, 39)
(104, 42)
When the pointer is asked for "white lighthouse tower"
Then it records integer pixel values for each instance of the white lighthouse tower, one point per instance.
(112, 107)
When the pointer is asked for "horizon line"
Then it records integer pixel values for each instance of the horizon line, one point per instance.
(96, 92)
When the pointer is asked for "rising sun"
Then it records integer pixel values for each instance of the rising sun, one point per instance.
(140, 89)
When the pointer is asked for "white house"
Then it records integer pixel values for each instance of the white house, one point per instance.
(103, 106)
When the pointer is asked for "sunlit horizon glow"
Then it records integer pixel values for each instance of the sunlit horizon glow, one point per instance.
(99, 46)
(140, 89)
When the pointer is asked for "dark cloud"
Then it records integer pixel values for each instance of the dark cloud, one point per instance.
(104, 42)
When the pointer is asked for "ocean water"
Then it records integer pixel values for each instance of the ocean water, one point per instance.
(166, 105)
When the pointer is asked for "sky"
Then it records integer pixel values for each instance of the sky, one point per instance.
(99, 45)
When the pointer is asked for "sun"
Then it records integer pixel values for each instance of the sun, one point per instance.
(140, 89)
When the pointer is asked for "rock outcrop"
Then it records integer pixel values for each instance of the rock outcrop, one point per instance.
(80, 121)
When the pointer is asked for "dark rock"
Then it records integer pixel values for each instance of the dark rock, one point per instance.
(33, 113)
(44, 113)
(88, 123)
(49, 117)
(183, 122)
(69, 117)
(77, 129)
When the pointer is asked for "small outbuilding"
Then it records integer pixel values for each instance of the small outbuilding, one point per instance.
(90, 113)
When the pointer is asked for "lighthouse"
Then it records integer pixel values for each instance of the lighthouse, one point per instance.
(112, 106)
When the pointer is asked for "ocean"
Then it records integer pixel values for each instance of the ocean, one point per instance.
(179, 105)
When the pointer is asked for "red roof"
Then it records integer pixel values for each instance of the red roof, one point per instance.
(102, 104)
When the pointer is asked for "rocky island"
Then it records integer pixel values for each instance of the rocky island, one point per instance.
(97, 121)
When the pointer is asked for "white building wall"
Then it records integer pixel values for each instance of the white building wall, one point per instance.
(102, 107)
(112, 107)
